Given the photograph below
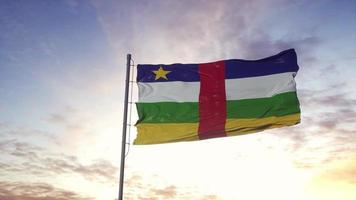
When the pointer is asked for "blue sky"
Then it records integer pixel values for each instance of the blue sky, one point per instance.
(61, 92)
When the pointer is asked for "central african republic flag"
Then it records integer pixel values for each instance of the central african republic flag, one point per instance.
(184, 102)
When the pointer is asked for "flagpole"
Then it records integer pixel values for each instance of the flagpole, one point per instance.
(124, 126)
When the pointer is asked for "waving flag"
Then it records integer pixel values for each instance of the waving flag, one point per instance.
(184, 102)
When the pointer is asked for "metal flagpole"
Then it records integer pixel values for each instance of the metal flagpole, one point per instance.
(124, 126)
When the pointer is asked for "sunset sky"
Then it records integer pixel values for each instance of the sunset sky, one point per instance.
(62, 68)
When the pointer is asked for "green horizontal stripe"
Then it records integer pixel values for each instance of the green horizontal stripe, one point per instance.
(188, 112)
(279, 105)
(168, 112)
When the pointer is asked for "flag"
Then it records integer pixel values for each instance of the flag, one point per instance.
(185, 102)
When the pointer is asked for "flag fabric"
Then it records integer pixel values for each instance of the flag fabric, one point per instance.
(185, 102)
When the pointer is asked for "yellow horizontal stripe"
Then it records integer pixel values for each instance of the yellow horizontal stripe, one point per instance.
(175, 132)
(164, 133)
(245, 126)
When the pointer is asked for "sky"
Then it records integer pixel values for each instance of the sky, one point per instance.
(62, 73)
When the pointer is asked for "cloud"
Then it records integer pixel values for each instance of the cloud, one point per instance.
(2, 124)
(336, 100)
(210, 197)
(57, 118)
(323, 142)
(74, 127)
(203, 31)
(332, 95)
(36, 161)
(141, 188)
(10, 130)
(342, 170)
(36, 191)
(327, 128)
(166, 193)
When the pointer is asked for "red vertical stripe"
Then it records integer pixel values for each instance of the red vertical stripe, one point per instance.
(212, 100)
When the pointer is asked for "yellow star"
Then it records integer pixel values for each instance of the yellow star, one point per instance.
(161, 73)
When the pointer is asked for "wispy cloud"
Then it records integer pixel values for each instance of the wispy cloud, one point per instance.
(202, 31)
(328, 100)
(327, 134)
(345, 171)
(36, 191)
(15, 131)
(37, 161)
(138, 187)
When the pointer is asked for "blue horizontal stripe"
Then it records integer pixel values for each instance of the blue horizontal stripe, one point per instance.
(286, 61)
(179, 72)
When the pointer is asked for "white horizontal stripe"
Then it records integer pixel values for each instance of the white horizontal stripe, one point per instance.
(176, 91)
(259, 87)
(242, 88)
